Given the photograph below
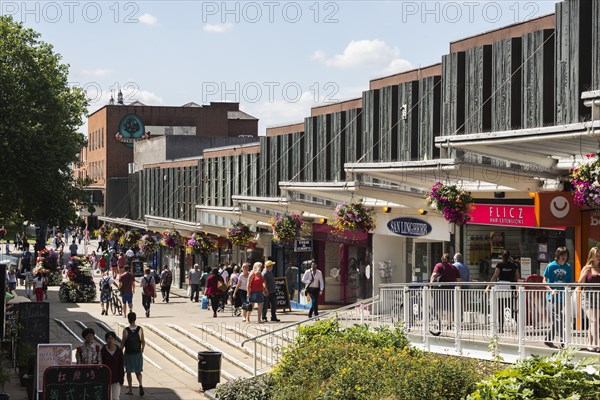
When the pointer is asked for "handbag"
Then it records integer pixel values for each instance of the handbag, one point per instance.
(247, 306)
(222, 286)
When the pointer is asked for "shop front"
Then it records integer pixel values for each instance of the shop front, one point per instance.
(494, 228)
(405, 248)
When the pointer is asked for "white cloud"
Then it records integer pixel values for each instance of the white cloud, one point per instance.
(365, 53)
(396, 66)
(148, 98)
(97, 72)
(218, 28)
(148, 19)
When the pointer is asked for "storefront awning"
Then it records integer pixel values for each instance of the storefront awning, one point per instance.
(124, 222)
(283, 205)
(370, 195)
(161, 223)
(471, 176)
(556, 147)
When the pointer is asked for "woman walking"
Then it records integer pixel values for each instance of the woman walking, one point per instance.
(590, 296)
(133, 349)
(212, 290)
(255, 288)
(38, 286)
(112, 356)
(240, 293)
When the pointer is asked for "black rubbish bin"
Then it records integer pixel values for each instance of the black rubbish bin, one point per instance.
(209, 369)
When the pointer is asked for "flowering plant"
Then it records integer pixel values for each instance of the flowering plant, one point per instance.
(585, 182)
(79, 286)
(130, 239)
(148, 244)
(353, 217)
(48, 259)
(286, 227)
(455, 204)
(116, 234)
(100, 232)
(200, 244)
(172, 238)
(239, 234)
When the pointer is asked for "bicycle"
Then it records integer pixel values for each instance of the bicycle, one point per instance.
(115, 302)
(416, 315)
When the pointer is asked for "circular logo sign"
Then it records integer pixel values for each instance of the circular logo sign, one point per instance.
(409, 227)
(559, 207)
(131, 129)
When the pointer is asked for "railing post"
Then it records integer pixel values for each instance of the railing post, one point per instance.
(255, 357)
(361, 312)
(457, 318)
(493, 312)
(521, 320)
(406, 309)
(426, 295)
(568, 316)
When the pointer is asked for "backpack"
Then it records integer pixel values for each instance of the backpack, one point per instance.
(156, 276)
(105, 285)
(148, 288)
(133, 344)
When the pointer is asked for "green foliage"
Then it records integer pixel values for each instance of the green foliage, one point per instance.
(258, 388)
(329, 362)
(4, 377)
(554, 377)
(39, 141)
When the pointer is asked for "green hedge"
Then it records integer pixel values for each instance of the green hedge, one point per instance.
(555, 377)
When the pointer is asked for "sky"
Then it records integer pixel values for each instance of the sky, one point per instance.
(276, 58)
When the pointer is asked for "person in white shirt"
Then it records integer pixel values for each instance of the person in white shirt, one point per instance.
(313, 279)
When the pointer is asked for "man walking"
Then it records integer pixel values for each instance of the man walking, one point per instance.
(313, 278)
(194, 282)
(558, 271)
(270, 295)
(463, 270)
(166, 278)
(127, 286)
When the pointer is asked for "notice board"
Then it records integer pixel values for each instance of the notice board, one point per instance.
(282, 294)
(34, 322)
(77, 382)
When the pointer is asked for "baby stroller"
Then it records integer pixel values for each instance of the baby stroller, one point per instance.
(236, 309)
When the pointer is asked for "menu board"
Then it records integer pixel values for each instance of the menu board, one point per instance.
(34, 322)
(77, 382)
(51, 355)
(282, 294)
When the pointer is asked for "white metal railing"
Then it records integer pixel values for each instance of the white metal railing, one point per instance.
(517, 313)
(268, 347)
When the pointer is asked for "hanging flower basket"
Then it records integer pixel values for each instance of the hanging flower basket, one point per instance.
(286, 227)
(585, 182)
(130, 239)
(200, 244)
(239, 234)
(148, 244)
(455, 204)
(353, 217)
(101, 233)
(116, 234)
(172, 239)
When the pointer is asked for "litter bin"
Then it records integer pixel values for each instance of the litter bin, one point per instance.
(209, 369)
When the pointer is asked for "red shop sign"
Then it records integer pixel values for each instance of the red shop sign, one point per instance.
(504, 215)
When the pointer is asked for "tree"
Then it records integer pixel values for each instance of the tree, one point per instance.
(39, 138)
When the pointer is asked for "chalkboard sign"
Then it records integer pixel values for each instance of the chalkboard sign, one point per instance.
(138, 268)
(34, 322)
(282, 294)
(77, 382)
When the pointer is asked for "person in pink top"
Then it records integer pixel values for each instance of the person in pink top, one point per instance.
(212, 291)
(590, 297)
(256, 289)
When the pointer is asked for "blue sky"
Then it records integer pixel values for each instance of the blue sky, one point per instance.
(277, 58)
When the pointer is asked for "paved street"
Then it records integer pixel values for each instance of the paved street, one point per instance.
(175, 332)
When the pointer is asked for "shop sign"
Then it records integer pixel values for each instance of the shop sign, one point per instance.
(503, 215)
(409, 227)
(556, 209)
(302, 246)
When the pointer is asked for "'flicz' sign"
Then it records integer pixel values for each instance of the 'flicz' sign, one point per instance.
(409, 227)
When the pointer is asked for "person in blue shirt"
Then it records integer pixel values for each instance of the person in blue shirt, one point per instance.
(558, 271)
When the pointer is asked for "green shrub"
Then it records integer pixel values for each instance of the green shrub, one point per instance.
(257, 388)
(554, 377)
(359, 364)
